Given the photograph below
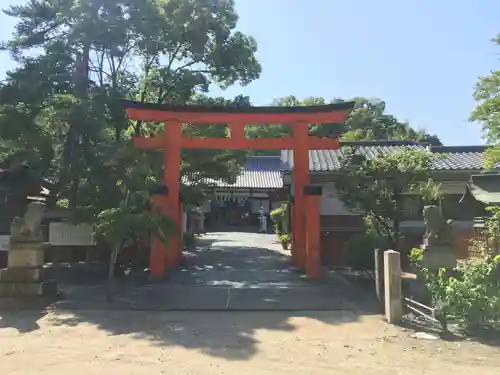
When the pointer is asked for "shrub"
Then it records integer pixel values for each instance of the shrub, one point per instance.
(416, 255)
(279, 217)
(471, 297)
(359, 250)
(285, 239)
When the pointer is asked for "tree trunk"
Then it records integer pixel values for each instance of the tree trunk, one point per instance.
(110, 285)
(397, 231)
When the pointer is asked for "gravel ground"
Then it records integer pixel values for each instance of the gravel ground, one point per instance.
(97, 342)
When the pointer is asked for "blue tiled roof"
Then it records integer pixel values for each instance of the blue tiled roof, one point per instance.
(263, 163)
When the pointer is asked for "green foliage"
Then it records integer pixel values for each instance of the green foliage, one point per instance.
(369, 120)
(359, 250)
(487, 112)
(471, 297)
(279, 217)
(130, 223)
(60, 109)
(285, 239)
(416, 255)
(493, 222)
(377, 186)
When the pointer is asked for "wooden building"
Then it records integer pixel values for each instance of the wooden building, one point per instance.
(238, 204)
(452, 171)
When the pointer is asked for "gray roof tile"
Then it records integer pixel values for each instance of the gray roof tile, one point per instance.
(256, 180)
(265, 172)
(260, 172)
(453, 157)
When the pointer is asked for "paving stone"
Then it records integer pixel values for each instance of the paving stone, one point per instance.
(228, 271)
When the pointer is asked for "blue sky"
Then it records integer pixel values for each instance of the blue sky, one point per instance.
(422, 57)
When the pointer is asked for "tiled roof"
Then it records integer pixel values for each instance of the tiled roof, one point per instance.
(460, 157)
(454, 157)
(260, 172)
(485, 188)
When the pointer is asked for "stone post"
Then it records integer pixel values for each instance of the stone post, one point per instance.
(392, 286)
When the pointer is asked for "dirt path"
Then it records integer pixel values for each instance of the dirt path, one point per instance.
(227, 343)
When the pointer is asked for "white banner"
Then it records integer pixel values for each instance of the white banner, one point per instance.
(66, 234)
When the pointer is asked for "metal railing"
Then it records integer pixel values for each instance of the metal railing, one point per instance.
(417, 307)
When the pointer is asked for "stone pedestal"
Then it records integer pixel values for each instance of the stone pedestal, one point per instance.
(439, 256)
(25, 275)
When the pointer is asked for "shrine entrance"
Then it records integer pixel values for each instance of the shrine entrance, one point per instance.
(305, 198)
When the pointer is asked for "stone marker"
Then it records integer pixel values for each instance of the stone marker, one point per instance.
(25, 276)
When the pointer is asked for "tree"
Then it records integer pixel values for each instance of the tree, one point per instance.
(130, 224)
(60, 109)
(367, 121)
(487, 112)
(377, 187)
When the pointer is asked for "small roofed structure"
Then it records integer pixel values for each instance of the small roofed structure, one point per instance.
(483, 188)
(482, 191)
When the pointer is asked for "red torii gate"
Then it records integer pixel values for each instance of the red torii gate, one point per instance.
(305, 233)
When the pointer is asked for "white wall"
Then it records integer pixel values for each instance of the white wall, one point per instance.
(4, 242)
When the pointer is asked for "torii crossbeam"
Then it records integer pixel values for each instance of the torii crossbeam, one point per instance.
(305, 233)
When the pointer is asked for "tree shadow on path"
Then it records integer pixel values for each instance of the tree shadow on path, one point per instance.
(229, 335)
(23, 322)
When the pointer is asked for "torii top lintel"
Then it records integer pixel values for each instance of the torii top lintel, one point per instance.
(236, 118)
(318, 114)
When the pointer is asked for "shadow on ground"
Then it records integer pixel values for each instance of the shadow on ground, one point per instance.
(221, 302)
(230, 335)
(23, 322)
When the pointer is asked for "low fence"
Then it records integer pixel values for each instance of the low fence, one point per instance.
(399, 292)
(420, 309)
